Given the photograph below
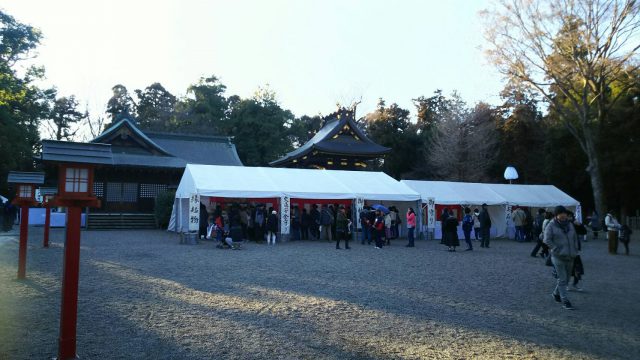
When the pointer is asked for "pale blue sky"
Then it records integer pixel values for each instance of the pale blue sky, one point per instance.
(312, 53)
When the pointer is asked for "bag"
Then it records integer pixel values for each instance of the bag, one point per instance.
(379, 225)
(467, 223)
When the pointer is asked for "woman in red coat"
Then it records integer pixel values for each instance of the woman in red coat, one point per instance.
(411, 226)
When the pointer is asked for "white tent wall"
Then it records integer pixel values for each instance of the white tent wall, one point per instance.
(179, 221)
(497, 196)
(259, 182)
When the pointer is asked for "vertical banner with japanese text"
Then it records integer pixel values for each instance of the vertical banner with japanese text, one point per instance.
(194, 212)
(285, 216)
(431, 213)
(508, 221)
(579, 213)
(359, 207)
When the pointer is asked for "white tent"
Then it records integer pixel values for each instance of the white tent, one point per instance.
(285, 184)
(499, 197)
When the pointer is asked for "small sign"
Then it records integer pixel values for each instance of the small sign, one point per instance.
(194, 212)
(431, 213)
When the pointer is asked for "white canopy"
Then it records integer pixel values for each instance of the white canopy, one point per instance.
(456, 193)
(460, 193)
(261, 182)
(282, 183)
(499, 198)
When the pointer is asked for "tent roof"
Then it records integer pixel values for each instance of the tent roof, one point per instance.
(455, 193)
(261, 182)
(460, 193)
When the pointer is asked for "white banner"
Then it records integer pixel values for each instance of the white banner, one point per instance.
(579, 213)
(431, 213)
(285, 215)
(359, 208)
(194, 212)
(507, 213)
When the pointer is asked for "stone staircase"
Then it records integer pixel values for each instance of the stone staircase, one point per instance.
(120, 221)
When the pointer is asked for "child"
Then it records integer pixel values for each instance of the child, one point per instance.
(624, 236)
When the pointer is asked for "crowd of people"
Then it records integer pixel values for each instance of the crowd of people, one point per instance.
(479, 222)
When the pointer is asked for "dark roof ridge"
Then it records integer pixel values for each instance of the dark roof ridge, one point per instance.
(189, 135)
(128, 122)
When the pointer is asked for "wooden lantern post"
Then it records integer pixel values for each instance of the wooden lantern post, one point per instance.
(75, 162)
(75, 191)
(47, 197)
(25, 197)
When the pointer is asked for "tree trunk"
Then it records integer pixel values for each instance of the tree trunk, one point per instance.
(595, 174)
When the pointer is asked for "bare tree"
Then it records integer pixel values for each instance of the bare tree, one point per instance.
(93, 127)
(463, 146)
(571, 52)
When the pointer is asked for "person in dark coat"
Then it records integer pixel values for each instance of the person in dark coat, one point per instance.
(272, 227)
(378, 228)
(342, 227)
(450, 235)
(315, 222)
(204, 217)
(485, 226)
(305, 224)
(443, 219)
(235, 226)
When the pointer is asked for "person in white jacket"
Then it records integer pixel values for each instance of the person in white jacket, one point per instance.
(613, 226)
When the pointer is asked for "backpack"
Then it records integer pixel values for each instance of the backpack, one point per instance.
(467, 223)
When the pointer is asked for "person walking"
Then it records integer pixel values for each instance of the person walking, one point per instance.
(613, 226)
(272, 227)
(451, 232)
(411, 227)
(537, 231)
(443, 220)
(378, 226)
(485, 226)
(562, 240)
(342, 228)
(326, 221)
(467, 226)
(476, 223)
(518, 216)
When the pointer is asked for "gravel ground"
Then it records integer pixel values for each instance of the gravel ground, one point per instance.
(144, 296)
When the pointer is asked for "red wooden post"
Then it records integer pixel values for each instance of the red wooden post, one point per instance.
(24, 234)
(70, 276)
(47, 223)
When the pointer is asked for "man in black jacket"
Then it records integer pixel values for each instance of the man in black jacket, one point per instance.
(485, 226)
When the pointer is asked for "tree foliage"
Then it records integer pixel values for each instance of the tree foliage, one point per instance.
(22, 103)
(65, 118)
(570, 52)
(390, 126)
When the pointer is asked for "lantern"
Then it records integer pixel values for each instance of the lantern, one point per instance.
(76, 162)
(25, 183)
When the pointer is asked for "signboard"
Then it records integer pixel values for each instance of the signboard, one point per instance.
(194, 212)
(431, 213)
(359, 208)
(285, 214)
